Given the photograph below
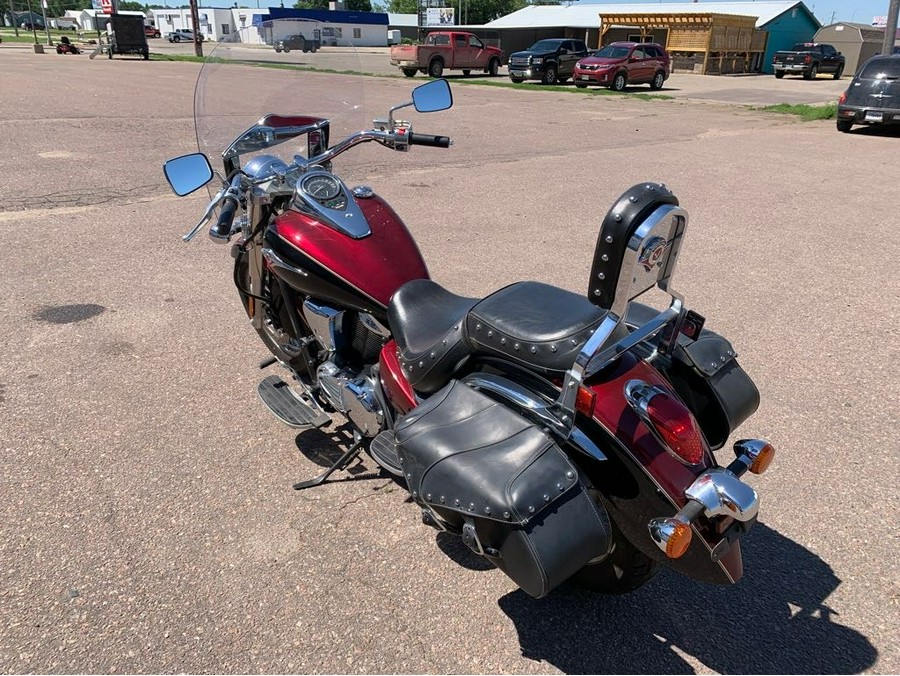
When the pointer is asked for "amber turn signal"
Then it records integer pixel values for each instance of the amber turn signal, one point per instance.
(763, 459)
(672, 536)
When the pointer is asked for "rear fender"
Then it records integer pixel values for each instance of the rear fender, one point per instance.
(640, 480)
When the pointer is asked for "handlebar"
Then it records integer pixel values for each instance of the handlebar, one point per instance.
(221, 231)
(430, 140)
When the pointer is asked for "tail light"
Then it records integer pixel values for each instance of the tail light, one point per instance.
(807, 59)
(669, 419)
(842, 99)
(584, 401)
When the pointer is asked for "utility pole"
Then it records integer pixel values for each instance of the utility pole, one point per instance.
(195, 19)
(890, 31)
(12, 17)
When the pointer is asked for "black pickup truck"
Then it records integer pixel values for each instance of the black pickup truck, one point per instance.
(809, 59)
(550, 61)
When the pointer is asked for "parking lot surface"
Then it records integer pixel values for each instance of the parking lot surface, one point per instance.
(148, 522)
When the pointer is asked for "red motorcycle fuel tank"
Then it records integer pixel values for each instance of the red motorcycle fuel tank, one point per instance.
(361, 274)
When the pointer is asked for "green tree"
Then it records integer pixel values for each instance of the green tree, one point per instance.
(359, 5)
(311, 4)
(131, 6)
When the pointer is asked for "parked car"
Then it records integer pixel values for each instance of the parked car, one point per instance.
(873, 96)
(623, 63)
(444, 50)
(809, 59)
(298, 42)
(551, 60)
(182, 35)
(151, 31)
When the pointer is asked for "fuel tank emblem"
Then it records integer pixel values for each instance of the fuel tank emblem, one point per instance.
(653, 253)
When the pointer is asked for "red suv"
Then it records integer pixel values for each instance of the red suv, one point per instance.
(624, 63)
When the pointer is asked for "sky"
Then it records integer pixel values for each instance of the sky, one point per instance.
(826, 11)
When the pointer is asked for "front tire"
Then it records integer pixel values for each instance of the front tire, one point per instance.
(517, 80)
(278, 50)
(838, 73)
(619, 82)
(436, 68)
(580, 86)
(467, 72)
(625, 568)
(549, 76)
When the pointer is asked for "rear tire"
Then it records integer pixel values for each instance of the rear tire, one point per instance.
(494, 67)
(657, 82)
(410, 72)
(844, 126)
(517, 80)
(625, 568)
(779, 74)
(580, 86)
(467, 72)
(436, 68)
(812, 73)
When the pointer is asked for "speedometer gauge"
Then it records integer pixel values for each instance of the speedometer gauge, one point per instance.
(321, 187)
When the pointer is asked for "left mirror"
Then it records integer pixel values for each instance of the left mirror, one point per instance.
(187, 173)
(432, 96)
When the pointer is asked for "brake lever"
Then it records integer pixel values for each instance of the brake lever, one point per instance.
(215, 202)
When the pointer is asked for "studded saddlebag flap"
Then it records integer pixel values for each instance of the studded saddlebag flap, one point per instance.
(481, 470)
(721, 395)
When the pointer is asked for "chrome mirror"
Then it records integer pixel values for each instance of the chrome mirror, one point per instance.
(432, 96)
(187, 173)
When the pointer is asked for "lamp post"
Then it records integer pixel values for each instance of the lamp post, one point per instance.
(46, 25)
(890, 31)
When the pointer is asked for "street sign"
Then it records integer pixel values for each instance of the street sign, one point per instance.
(106, 6)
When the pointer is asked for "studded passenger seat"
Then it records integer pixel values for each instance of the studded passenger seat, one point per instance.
(531, 323)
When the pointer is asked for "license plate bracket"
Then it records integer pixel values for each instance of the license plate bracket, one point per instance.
(874, 116)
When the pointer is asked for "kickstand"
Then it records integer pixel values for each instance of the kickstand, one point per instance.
(354, 450)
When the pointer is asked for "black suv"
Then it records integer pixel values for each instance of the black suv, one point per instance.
(298, 42)
(549, 61)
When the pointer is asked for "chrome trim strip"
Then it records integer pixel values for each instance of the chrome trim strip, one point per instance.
(279, 262)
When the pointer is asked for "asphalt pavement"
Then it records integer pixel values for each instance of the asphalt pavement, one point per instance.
(147, 520)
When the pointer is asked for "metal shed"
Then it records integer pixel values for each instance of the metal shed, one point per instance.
(856, 41)
(707, 43)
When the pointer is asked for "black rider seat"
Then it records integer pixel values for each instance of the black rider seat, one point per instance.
(535, 324)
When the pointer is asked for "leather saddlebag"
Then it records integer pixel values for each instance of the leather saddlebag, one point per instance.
(721, 395)
(482, 471)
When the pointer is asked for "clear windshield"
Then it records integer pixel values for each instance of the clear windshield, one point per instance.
(611, 52)
(545, 46)
(287, 67)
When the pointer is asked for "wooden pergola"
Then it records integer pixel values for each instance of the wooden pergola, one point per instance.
(719, 38)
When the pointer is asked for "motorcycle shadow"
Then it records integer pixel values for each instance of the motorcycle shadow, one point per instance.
(773, 621)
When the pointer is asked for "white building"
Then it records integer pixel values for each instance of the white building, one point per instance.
(95, 20)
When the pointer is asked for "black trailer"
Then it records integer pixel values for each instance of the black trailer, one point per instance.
(127, 36)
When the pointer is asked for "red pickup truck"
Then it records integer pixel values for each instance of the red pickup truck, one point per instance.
(447, 50)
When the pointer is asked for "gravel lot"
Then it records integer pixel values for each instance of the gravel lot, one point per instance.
(148, 522)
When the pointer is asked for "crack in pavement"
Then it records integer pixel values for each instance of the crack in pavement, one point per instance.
(81, 198)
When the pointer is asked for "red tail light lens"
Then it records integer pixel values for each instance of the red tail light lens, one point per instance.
(584, 401)
(807, 59)
(842, 98)
(676, 426)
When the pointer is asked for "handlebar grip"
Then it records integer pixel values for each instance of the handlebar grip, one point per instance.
(222, 229)
(430, 140)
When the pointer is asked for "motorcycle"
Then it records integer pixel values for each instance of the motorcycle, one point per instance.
(560, 436)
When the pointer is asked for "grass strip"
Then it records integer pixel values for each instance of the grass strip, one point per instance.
(805, 111)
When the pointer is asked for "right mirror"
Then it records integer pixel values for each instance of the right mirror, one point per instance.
(432, 96)
(187, 173)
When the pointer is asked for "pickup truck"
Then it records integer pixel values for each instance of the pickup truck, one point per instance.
(453, 50)
(551, 60)
(809, 59)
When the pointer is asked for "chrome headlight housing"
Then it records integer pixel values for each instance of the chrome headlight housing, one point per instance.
(538, 60)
